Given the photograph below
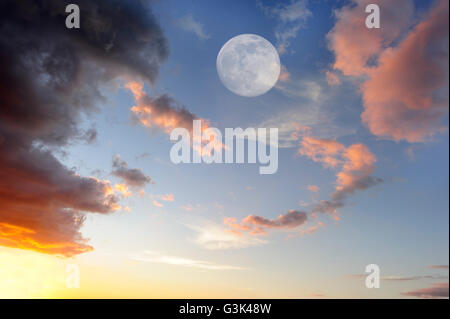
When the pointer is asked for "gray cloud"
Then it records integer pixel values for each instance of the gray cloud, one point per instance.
(133, 177)
(50, 81)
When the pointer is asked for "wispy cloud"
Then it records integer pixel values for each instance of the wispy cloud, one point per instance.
(291, 18)
(438, 266)
(214, 236)
(404, 278)
(156, 257)
(189, 24)
(307, 104)
(258, 225)
(439, 290)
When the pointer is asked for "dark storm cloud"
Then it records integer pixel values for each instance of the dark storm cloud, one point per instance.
(51, 80)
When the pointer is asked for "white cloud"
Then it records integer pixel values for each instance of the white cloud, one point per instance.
(188, 23)
(216, 237)
(311, 104)
(291, 17)
(156, 257)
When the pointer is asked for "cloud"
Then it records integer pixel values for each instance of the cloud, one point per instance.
(257, 225)
(157, 204)
(355, 163)
(313, 188)
(332, 78)
(122, 189)
(439, 290)
(404, 278)
(291, 18)
(438, 266)
(51, 79)
(404, 69)
(156, 257)
(285, 76)
(308, 104)
(212, 236)
(162, 112)
(189, 24)
(321, 150)
(167, 197)
(411, 278)
(312, 228)
(133, 177)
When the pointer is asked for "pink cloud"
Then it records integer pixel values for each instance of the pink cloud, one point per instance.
(332, 78)
(356, 164)
(439, 290)
(405, 71)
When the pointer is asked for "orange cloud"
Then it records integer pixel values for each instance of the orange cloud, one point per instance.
(313, 188)
(405, 92)
(43, 204)
(161, 112)
(157, 204)
(321, 150)
(167, 197)
(122, 189)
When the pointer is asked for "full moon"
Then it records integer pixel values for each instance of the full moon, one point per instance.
(248, 65)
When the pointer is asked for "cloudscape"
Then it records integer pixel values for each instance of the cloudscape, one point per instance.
(321, 148)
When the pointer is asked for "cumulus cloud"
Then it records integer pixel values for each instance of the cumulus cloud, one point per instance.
(257, 225)
(156, 257)
(50, 80)
(291, 17)
(133, 177)
(404, 69)
(439, 290)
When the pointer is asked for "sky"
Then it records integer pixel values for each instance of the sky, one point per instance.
(87, 186)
